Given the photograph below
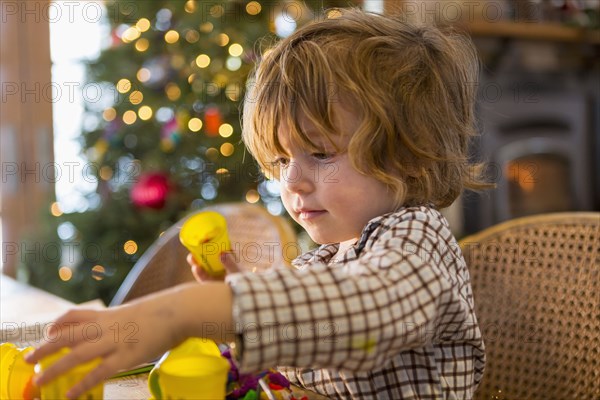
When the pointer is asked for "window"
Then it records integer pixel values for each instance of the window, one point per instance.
(73, 40)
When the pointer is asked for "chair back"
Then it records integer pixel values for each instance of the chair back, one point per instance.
(259, 241)
(536, 287)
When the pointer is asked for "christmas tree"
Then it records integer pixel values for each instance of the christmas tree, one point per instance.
(169, 140)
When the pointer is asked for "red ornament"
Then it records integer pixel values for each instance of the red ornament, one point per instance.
(151, 190)
(212, 121)
(115, 39)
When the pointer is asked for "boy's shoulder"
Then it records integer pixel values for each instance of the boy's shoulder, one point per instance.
(416, 230)
(425, 213)
(406, 220)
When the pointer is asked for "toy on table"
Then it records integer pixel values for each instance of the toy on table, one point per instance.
(16, 376)
(205, 236)
(248, 386)
(192, 370)
(57, 388)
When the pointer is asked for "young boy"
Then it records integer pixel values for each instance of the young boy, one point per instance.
(365, 121)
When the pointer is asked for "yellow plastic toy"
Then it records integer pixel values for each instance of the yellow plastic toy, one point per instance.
(193, 370)
(59, 386)
(205, 236)
(15, 374)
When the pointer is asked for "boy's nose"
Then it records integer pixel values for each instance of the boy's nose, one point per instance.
(297, 179)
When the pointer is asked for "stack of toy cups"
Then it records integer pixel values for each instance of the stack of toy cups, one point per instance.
(57, 388)
(16, 376)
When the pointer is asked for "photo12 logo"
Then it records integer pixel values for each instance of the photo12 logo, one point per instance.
(52, 11)
(53, 332)
(70, 92)
(68, 172)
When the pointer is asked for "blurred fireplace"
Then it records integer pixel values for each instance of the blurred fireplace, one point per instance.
(539, 154)
(537, 183)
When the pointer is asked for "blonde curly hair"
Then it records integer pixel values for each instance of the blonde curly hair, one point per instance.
(412, 87)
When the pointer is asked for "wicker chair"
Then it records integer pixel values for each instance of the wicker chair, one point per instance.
(536, 286)
(259, 239)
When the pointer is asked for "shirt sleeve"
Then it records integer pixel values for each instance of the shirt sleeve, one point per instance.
(392, 298)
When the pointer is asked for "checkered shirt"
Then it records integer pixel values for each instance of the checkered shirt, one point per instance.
(393, 320)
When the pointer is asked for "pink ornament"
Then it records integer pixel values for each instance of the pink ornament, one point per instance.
(151, 190)
(169, 128)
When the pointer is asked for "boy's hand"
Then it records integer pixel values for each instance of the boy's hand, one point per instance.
(122, 336)
(201, 276)
(128, 335)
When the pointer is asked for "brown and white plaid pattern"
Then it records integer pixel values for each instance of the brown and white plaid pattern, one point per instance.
(393, 320)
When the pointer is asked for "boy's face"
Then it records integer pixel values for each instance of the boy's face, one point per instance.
(322, 191)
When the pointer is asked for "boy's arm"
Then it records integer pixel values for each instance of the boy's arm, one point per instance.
(323, 317)
(207, 311)
(391, 299)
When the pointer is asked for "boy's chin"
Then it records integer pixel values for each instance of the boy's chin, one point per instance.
(320, 240)
(316, 238)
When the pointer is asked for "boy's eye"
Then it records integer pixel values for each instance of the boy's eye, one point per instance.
(323, 156)
(280, 162)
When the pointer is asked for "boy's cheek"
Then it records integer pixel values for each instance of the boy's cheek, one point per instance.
(286, 200)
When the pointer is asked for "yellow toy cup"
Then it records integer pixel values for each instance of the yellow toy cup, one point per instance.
(205, 236)
(197, 353)
(8, 353)
(194, 377)
(15, 374)
(57, 388)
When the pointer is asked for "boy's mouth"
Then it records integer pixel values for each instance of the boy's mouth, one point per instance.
(305, 214)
